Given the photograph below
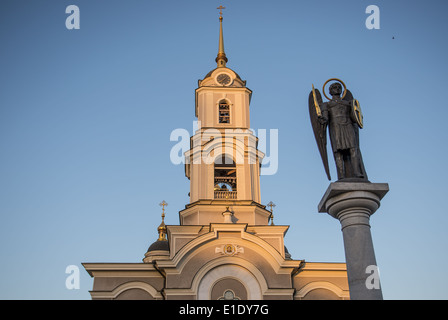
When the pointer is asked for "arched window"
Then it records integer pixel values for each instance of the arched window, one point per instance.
(225, 178)
(224, 112)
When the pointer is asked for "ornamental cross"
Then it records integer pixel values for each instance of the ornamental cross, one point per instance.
(220, 10)
(163, 204)
(271, 204)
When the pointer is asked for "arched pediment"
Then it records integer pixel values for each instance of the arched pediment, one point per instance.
(209, 246)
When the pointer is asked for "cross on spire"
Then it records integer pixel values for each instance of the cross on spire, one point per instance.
(163, 204)
(221, 59)
(271, 204)
(220, 11)
(162, 226)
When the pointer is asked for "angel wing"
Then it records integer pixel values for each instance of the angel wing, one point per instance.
(315, 105)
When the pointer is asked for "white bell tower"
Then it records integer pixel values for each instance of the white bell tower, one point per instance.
(223, 163)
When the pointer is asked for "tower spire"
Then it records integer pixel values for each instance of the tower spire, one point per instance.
(221, 59)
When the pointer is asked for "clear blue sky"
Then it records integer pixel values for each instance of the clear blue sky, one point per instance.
(86, 117)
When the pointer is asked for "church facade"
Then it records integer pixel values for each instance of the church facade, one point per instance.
(226, 245)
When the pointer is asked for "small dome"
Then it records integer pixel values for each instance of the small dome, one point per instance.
(159, 245)
(156, 251)
(209, 79)
(210, 73)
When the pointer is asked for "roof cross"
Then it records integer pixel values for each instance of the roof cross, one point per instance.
(220, 10)
(163, 204)
(272, 205)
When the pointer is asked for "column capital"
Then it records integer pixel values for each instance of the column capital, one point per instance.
(341, 196)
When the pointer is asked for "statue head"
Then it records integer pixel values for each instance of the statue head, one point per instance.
(335, 89)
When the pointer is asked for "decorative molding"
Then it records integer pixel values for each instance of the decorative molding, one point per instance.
(207, 276)
(124, 287)
(229, 249)
(229, 295)
(300, 294)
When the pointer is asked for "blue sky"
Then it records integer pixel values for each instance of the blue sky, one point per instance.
(86, 117)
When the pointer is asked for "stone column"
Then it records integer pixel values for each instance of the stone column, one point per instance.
(352, 203)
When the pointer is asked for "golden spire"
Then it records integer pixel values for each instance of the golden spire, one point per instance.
(271, 204)
(221, 59)
(162, 227)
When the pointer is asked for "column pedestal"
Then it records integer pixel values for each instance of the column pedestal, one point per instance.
(352, 203)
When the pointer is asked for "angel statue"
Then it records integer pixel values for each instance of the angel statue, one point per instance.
(343, 117)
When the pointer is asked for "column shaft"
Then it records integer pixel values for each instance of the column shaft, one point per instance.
(353, 204)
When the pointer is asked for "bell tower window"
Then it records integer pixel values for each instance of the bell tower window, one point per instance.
(224, 112)
(225, 178)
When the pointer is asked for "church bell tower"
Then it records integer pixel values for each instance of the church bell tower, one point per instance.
(223, 163)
